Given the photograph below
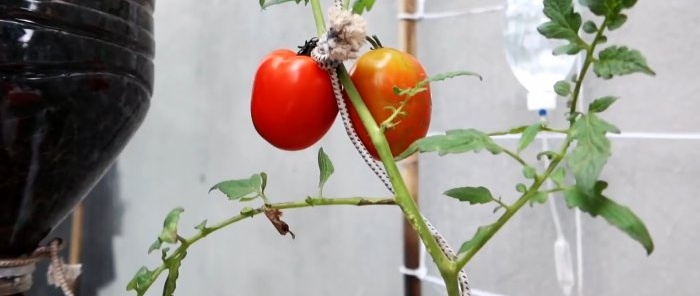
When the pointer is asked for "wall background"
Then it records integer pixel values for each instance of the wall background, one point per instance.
(199, 132)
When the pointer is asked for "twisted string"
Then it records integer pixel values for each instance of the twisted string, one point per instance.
(57, 272)
(345, 37)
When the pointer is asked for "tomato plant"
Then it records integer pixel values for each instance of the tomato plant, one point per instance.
(377, 74)
(292, 103)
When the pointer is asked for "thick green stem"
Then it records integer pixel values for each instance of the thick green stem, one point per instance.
(451, 281)
(403, 196)
(318, 17)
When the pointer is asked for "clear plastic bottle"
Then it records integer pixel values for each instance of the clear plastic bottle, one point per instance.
(530, 56)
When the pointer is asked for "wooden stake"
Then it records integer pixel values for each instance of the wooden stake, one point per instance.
(76, 240)
(411, 241)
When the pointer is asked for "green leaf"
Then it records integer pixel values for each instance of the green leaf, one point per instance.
(267, 3)
(607, 7)
(423, 85)
(601, 104)
(590, 27)
(529, 172)
(480, 235)
(564, 24)
(558, 176)
(539, 197)
(360, 6)
(520, 187)
(454, 142)
(570, 49)
(201, 226)
(473, 195)
(140, 280)
(325, 166)
(592, 150)
(528, 136)
(155, 246)
(615, 22)
(618, 61)
(169, 232)
(237, 189)
(562, 88)
(596, 204)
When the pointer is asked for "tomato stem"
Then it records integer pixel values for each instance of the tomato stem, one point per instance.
(308, 46)
(374, 41)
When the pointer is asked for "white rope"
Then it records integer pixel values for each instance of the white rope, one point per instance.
(345, 36)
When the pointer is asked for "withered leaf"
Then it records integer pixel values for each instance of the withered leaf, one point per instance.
(275, 216)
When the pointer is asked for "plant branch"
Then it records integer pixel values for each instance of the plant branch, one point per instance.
(590, 51)
(185, 243)
(514, 208)
(318, 17)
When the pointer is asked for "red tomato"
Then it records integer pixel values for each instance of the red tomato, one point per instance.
(292, 104)
(375, 74)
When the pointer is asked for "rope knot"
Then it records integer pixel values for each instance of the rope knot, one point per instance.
(344, 39)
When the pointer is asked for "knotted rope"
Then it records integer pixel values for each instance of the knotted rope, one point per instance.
(343, 41)
(59, 274)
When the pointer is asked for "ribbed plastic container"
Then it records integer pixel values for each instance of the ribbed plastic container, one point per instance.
(76, 78)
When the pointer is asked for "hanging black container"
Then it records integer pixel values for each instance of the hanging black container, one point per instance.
(76, 78)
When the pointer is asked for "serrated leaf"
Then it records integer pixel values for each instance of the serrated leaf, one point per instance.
(201, 226)
(155, 246)
(454, 142)
(529, 172)
(618, 61)
(539, 197)
(592, 150)
(423, 85)
(607, 7)
(590, 27)
(568, 49)
(169, 232)
(562, 88)
(325, 166)
(480, 235)
(267, 3)
(596, 204)
(601, 104)
(564, 24)
(360, 6)
(139, 281)
(528, 136)
(473, 195)
(237, 189)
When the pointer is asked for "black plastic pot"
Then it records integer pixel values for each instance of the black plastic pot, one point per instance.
(76, 78)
